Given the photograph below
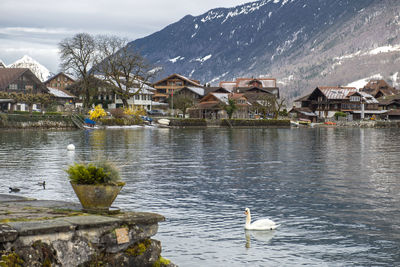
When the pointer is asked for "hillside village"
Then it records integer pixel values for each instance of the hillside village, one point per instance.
(177, 95)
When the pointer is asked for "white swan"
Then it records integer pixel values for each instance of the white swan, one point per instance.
(260, 225)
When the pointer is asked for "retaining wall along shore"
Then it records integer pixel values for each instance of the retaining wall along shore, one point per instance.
(57, 233)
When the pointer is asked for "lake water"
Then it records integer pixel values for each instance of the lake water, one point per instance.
(335, 192)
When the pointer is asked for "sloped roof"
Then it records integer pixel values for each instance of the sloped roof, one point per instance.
(193, 82)
(266, 82)
(223, 97)
(58, 74)
(230, 86)
(197, 90)
(208, 105)
(305, 111)
(215, 89)
(60, 93)
(9, 75)
(332, 92)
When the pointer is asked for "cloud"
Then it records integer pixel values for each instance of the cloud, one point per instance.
(33, 27)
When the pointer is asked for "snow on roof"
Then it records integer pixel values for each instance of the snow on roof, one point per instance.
(181, 77)
(337, 92)
(59, 93)
(369, 99)
(223, 97)
(196, 90)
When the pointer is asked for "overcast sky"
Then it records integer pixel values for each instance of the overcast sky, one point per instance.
(35, 27)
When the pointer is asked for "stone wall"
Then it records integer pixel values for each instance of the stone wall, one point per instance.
(51, 233)
(35, 121)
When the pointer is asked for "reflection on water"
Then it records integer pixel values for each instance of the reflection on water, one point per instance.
(334, 191)
(262, 236)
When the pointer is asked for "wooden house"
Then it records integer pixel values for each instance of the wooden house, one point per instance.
(59, 81)
(326, 101)
(212, 106)
(197, 93)
(166, 87)
(64, 99)
(379, 88)
(19, 80)
(252, 85)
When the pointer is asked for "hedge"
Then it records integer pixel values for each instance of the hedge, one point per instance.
(187, 122)
(253, 123)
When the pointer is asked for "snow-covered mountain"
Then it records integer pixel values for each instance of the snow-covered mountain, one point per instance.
(38, 69)
(302, 43)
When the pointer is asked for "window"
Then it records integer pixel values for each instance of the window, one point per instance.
(28, 87)
(136, 97)
(355, 98)
(179, 83)
(13, 86)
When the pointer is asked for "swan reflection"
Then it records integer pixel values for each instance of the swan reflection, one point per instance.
(263, 236)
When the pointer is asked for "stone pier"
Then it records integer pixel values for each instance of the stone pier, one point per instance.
(56, 233)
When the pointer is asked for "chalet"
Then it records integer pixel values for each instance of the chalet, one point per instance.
(196, 93)
(212, 106)
(379, 88)
(62, 98)
(59, 81)
(326, 101)
(252, 85)
(19, 80)
(167, 86)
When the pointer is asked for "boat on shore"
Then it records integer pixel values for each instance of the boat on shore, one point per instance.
(163, 122)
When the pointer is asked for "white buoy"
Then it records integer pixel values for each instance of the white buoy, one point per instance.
(70, 147)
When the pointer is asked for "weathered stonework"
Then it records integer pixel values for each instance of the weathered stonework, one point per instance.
(83, 239)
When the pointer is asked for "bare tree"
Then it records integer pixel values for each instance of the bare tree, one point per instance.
(119, 65)
(269, 104)
(183, 102)
(78, 55)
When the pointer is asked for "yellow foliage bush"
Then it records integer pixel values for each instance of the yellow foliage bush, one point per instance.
(97, 112)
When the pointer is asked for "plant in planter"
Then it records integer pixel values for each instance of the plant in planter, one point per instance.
(96, 184)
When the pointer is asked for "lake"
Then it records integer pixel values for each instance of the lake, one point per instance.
(335, 192)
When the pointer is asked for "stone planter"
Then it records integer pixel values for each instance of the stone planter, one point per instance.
(97, 198)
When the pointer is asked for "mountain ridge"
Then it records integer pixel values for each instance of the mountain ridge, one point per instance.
(301, 43)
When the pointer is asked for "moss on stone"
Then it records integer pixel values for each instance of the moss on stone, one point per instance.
(11, 259)
(161, 262)
(138, 248)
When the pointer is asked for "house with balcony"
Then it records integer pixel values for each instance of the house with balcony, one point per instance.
(325, 101)
(19, 81)
(166, 87)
